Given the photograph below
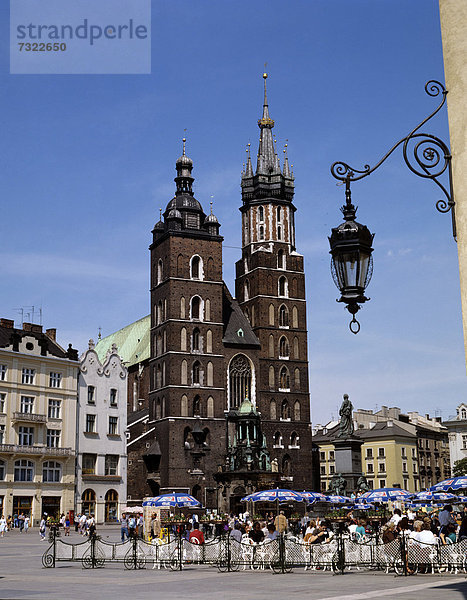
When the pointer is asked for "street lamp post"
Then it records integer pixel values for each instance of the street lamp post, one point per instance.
(351, 264)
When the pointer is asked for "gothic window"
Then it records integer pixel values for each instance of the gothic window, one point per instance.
(159, 344)
(187, 438)
(285, 411)
(261, 232)
(196, 372)
(195, 339)
(158, 408)
(210, 374)
(210, 273)
(196, 267)
(182, 307)
(196, 308)
(294, 288)
(261, 214)
(269, 285)
(271, 376)
(247, 314)
(283, 316)
(277, 440)
(246, 290)
(184, 406)
(295, 348)
(210, 409)
(245, 265)
(164, 344)
(183, 339)
(159, 312)
(158, 377)
(295, 317)
(279, 232)
(239, 380)
(180, 265)
(284, 379)
(209, 341)
(159, 271)
(283, 347)
(163, 408)
(280, 260)
(296, 411)
(279, 214)
(297, 378)
(207, 437)
(196, 406)
(163, 373)
(272, 410)
(271, 314)
(207, 309)
(184, 373)
(282, 287)
(252, 316)
(271, 346)
(294, 440)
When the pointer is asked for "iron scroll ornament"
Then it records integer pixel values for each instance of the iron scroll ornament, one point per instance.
(425, 154)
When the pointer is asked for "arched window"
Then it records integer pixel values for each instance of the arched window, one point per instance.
(51, 472)
(196, 406)
(210, 407)
(285, 411)
(184, 406)
(245, 265)
(297, 378)
(159, 345)
(180, 265)
(247, 314)
(271, 345)
(195, 339)
(196, 492)
(463, 414)
(260, 214)
(187, 439)
(296, 411)
(88, 502)
(196, 372)
(294, 288)
(211, 274)
(207, 310)
(207, 438)
(283, 316)
(164, 345)
(209, 341)
(246, 290)
(271, 376)
(196, 267)
(294, 440)
(196, 308)
(183, 339)
(2, 470)
(283, 347)
(159, 271)
(158, 377)
(239, 380)
(280, 260)
(182, 307)
(24, 470)
(277, 440)
(272, 410)
(158, 408)
(279, 214)
(279, 232)
(271, 314)
(282, 287)
(295, 317)
(159, 312)
(284, 379)
(163, 374)
(111, 506)
(286, 466)
(210, 374)
(295, 348)
(184, 373)
(261, 232)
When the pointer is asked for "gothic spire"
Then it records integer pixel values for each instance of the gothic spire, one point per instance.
(267, 161)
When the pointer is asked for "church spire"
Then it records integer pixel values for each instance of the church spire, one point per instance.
(267, 162)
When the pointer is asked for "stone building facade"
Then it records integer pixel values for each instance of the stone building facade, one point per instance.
(457, 432)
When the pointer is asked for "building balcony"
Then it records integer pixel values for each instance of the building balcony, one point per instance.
(28, 417)
(94, 477)
(37, 450)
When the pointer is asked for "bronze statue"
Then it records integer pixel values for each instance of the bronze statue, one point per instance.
(346, 427)
(362, 485)
(338, 485)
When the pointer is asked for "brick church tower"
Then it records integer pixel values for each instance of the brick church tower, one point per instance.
(270, 288)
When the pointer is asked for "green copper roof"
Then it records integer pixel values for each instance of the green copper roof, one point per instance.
(246, 407)
(132, 342)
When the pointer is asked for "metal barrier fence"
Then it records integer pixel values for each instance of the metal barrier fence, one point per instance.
(402, 556)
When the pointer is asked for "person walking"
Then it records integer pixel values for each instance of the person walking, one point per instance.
(124, 527)
(3, 527)
(26, 523)
(67, 524)
(281, 522)
(42, 528)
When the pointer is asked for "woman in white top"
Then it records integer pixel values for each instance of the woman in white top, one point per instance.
(2, 525)
(426, 536)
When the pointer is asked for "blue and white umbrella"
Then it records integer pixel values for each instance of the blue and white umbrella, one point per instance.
(312, 497)
(175, 500)
(455, 483)
(339, 500)
(385, 495)
(362, 506)
(434, 497)
(276, 495)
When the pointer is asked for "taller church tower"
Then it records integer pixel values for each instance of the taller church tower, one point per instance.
(270, 288)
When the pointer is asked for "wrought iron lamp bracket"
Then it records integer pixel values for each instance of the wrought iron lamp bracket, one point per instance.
(425, 154)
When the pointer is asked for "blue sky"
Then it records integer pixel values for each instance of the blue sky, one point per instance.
(86, 162)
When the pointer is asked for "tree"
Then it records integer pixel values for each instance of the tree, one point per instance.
(460, 467)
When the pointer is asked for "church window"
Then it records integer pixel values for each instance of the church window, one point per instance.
(240, 333)
(164, 345)
(271, 376)
(271, 314)
(279, 217)
(271, 345)
(279, 232)
(294, 288)
(196, 267)
(159, 344)
(246, 290)
(295, 348)
(196, 406)
(297, 378)
(180, 265)
(183, 339)
(159, 312)
(296, 411)
(280, 260)
(282, 287)
(285, 411)
(295, 317)
(239, 380)
(184, 406)
(210, 409)
(283, 316)
(163, 408)
(159, 271)
(210, 374)
(158, 377)
(195, 340)
(283, 347)
(277, 440)
(284, 379)
(196, 308)
(209, 341)
(261, 232)
(163, 373)
(158, 408)
(207, 310)
(272, 410)
(260, 214)
(182, 307)
(196, 372)
(294, 440)
(184, 373)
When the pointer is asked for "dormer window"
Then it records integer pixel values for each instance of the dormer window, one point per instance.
(240, 333)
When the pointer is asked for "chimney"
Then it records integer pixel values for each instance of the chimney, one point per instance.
(427, 416)
(51, 333)
(36, 328)
(27, 326)
(8, 323)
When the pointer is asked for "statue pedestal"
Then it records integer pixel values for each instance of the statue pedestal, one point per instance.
(348, 457)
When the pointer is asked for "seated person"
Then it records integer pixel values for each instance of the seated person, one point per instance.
(236, 532)
(389, 534)
(321, 535)
(310, 531)
(196, 534)
(256, 534)
(426, 536)
(272, 533)
(361, 529)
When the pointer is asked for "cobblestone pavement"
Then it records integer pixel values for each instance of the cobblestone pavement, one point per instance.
(23, 577)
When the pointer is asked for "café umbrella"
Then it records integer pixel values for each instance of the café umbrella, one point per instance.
(277, 495)
(385, 495)
(339, 500)
(312, 497)
(455, 483)
(175, 500)
(434, 497)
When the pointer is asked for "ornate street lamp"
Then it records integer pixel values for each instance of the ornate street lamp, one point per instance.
(352, 265)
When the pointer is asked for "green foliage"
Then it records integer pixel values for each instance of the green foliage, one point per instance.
(460, 467)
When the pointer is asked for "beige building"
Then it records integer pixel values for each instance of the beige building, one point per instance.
(38, 395)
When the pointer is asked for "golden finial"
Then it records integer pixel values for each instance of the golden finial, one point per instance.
(265, 75)
(184, 145)
(211, 202)
(160, 214)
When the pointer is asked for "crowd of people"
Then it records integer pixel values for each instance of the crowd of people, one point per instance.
(18, 521)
